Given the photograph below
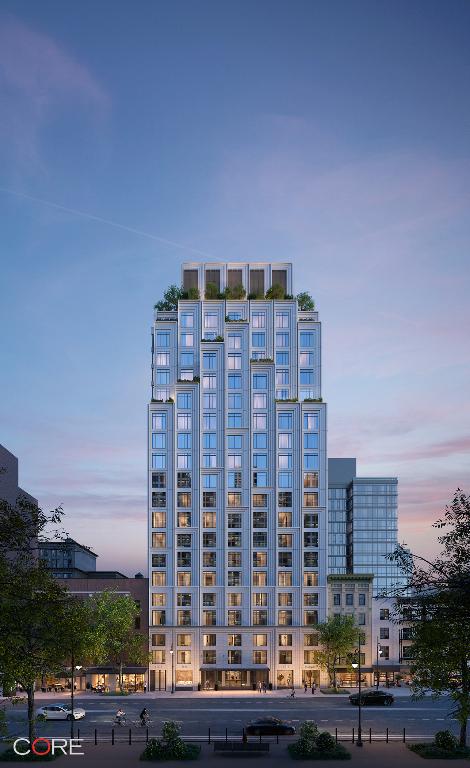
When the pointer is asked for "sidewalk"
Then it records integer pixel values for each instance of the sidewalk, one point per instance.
(370, 756)
(282, 693)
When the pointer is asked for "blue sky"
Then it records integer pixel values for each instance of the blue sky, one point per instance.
(134, 136)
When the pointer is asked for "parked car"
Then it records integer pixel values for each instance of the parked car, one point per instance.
(60, 712)
(369, 698)
(268, 726)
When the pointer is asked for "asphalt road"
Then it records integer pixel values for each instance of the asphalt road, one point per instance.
(197, 715)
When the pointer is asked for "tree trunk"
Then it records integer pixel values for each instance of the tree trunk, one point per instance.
(334, 675)
(31, 719)
(463, 733)
(120, 676)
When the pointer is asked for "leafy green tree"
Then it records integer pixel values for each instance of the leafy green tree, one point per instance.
(275, 292)
(435, 599)
(169, 303)
(193, 294)
(338, 637)
(305, 301)
(37, 616)
(114, 637)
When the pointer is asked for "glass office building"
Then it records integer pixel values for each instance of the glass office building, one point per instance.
(237, 483)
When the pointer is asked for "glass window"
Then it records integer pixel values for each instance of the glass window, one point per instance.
(234, 420)
(234, 362)
(209, 440)
(282, 339)
(282, 319)
(260, 578)
(162, 377)
(260, 479)
(258, 339)
(209, 498)
(362, 598)
(311, 421)
(285, 479)
(186, 320)
(311, 461)
(306, 358)
(306, 339)
(234, 520)
(234, 460)
(282, 377)
(234, 479)
(285, 461)
(260, 440)
(183, 461)
(234, 499)
(234, 341)
(282, 358)
(162, 358)
(187, 339)
(209, 460)
(158, 461)
(184, 440)
(284, 420)
(209, 401)
(158, 479)
(210, 319)
(184, 399)
(159, 440)
(209, 381)
(284, 579)
(260, 381)
(306, 378)
(284, 519)
(284, 499)
(209, 361)
(208, 519)
(209, 481)
(310, 579)
(158, 420)
(284, 440)
(187, 359)
(260, 460)
(234, 441)
(234, 381)
(234, 401)
(310, 499)
(260, 519)
(259, 420)
(183, 421)
(209, 640)
(209, 421)
(258, 319)
(163, 338)
(259, 400)
(260, 499)
(285, 618)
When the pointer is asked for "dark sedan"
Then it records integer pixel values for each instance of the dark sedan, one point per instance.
(369, 698)
(269, 726)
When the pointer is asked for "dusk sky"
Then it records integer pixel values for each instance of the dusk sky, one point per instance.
(137, 135)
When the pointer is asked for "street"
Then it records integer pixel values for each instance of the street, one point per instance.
(198, 714)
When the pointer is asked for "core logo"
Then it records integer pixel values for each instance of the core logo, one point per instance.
(42, 746)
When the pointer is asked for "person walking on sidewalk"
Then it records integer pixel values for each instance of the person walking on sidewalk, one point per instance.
(314, 688)
(305, 687)
(292, 695)
(259, 687)
(265, 687)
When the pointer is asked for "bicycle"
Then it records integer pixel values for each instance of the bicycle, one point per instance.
(140, 724)
(121, 721)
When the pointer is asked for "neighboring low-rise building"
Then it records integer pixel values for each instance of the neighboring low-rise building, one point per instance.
(351, 594)
(9, 488)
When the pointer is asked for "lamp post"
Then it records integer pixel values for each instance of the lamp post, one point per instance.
(379, 654)
(358, 666)
(72, 692)
(172, 654)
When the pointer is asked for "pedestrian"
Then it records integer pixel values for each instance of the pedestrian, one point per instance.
(292, 695)
(265, 687)
(305, 687)
(259, 686)
(145, 687)
(314, 687)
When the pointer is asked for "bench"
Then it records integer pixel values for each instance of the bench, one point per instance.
(240, 746)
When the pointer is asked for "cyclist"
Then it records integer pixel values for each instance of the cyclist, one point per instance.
(120, 716)
(144, 717)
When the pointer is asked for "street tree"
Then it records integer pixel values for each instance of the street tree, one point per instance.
(338, 637)
(115, 638)
(434, 598)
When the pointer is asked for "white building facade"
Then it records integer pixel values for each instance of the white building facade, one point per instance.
(237, 484)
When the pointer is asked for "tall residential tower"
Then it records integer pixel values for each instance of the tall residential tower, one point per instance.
(237, 483)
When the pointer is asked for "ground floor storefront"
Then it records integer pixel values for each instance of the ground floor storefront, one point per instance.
(97, 679)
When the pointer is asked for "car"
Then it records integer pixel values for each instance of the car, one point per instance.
(369, 698)
(60, 712)
(268, 726)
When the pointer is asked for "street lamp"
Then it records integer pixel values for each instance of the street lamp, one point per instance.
(357, 665)
(172, 654)
(72, 691)
(379, 653)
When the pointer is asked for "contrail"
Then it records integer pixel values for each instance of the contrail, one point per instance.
(110, 223)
